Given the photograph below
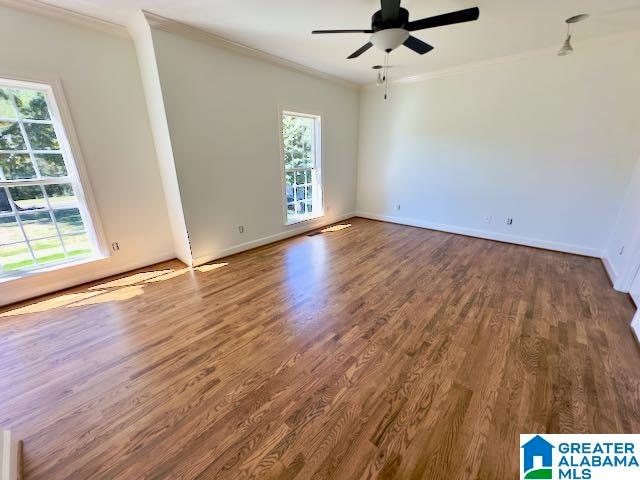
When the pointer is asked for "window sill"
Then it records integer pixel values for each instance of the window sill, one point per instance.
(51, 268)
(303, 218)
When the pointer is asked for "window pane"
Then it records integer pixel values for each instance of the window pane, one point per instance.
(42, 136)
(60, 195)
(10, 231)
(6, 108)
(40, 217)
(309, 206)
(309, 178)
(288, 178)
(32, 104)
(11, 137)
(51, 165)
(5, 206)
(69, 220)
(300, 178)
(77, 245)
(14, 257)
(48, 251)
(300, 208)
(38, 225)
(298, 137)
(291, 209)
(16, 166)
(28, 197)
(309, 192)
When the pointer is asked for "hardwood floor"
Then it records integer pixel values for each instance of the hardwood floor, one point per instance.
(375, 351)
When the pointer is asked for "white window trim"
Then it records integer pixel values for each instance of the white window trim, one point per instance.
(51, 87)
(318, 145)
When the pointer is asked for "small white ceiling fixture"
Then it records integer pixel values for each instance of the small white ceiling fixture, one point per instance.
(567, 49)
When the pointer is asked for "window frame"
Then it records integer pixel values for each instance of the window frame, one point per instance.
(317, 176)
(53, 92)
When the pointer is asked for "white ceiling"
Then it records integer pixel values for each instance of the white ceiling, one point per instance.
(282, 28)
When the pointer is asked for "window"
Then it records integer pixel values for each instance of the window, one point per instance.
(43, 217)
(301, 154)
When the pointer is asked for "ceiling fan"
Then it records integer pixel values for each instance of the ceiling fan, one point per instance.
(390, 28)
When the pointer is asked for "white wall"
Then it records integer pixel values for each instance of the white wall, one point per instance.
(101, 80)
(141, 33)
(222, 109)
(548, 141)
(622, 255)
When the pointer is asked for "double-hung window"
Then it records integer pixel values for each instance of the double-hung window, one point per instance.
(44, 220)
(301, 154)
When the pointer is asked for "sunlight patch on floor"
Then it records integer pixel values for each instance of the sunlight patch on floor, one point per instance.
(118, 295)
(168, 275)
(130, 280)
(50, 304)
(211, 267)
(336, 228)
(118, 290)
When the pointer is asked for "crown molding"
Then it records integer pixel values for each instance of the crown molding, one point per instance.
(475, 66)
(173, 26)
(59, 13)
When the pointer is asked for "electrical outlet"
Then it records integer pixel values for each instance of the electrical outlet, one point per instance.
(487, 219)
(509, 221)
(115, 246)
(241, 228)
(398, 206)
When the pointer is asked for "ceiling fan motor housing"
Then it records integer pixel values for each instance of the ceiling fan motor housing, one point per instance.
(389, 34)
(377, 23)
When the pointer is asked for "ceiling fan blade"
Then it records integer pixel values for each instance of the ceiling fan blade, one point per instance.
(468, 15)
(361, 50)
(390, 10)
(342, 31)
(417, 45)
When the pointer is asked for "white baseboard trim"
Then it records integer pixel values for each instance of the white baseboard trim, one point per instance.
(635, 326)
(44, 283)
(611, 271)
(9, 461)
(259, 242)
(500, 237)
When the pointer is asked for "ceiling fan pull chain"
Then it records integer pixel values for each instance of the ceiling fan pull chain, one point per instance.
(386, 75)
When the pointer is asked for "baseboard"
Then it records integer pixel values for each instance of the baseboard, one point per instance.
(10, 461)
(45, 283)
(611, 271)
(500, 237)
(259, 242)
(635, 326)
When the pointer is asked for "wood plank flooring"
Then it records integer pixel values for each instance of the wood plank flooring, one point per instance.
(374, 351)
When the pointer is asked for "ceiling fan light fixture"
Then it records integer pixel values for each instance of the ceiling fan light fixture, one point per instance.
(566, 49)
(389, 39)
